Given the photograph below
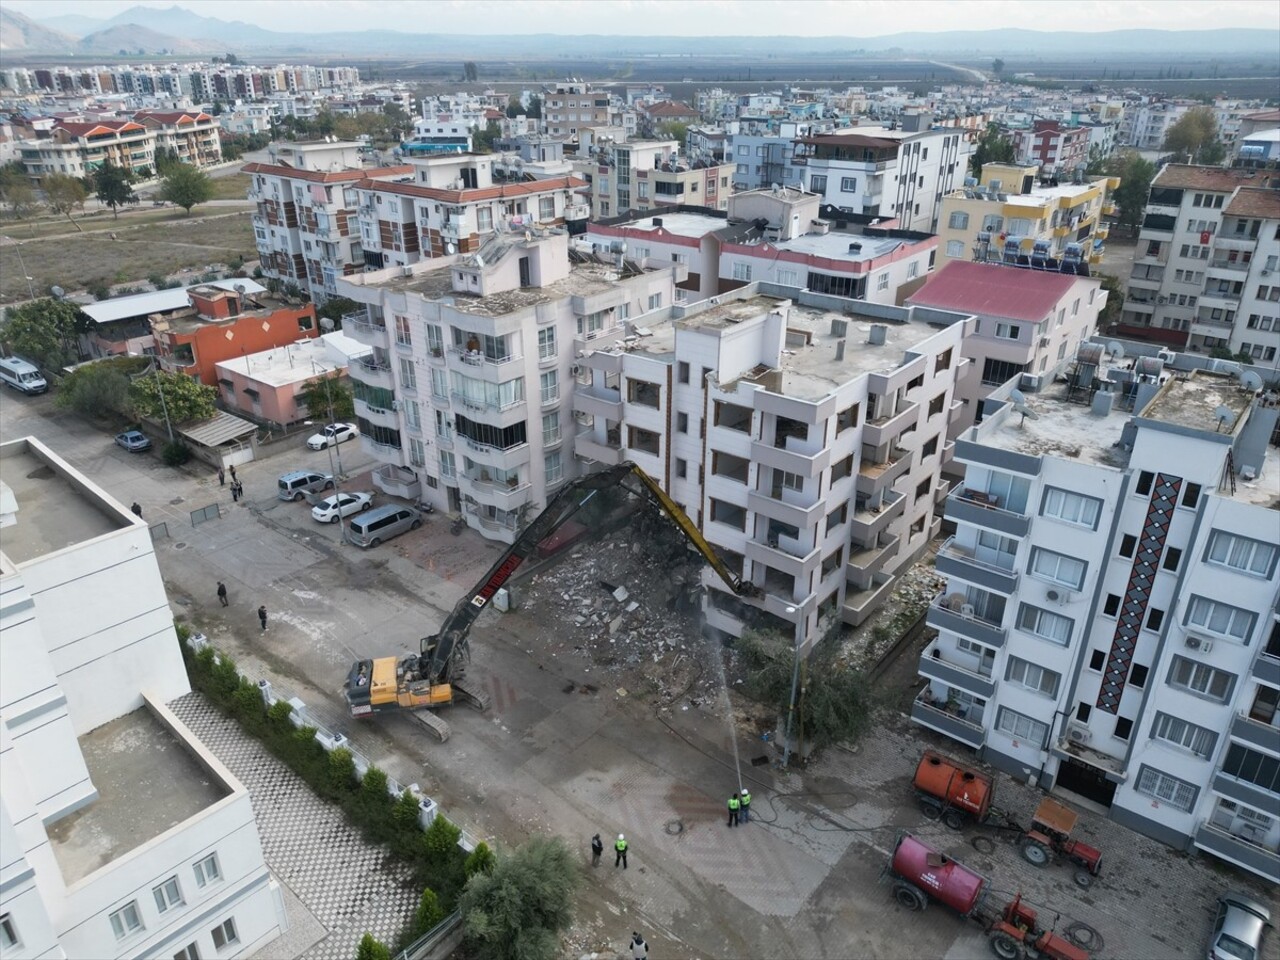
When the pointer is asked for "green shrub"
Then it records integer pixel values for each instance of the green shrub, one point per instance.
(371, 949)
(247, 707)
(99, 289)
(340, 774)
(404, 818)
(428, 914)
(175, 454)
(482, 860)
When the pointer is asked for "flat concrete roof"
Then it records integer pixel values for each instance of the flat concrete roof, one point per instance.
(1195, 402)
(53, 512)
(279, 366)
(147, 783)
(696, 225)
(835, 246)
(1057, 427)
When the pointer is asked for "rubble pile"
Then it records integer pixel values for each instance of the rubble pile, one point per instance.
(915, 590)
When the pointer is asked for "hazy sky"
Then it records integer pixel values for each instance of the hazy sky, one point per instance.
(866, 18)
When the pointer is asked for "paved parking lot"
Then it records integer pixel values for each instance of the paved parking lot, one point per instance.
(565, 751)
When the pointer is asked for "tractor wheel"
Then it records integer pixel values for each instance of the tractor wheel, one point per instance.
(1083, 879)
(1006, 947)
(1034, 853)
(930, 811)
(953, 819)
(909, 897)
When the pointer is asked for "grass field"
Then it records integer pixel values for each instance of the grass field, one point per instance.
(161, 241)
(233, 187)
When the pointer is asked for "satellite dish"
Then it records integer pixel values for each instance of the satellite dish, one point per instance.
(241, 289)
(1248, 379)
(1018, 397)
(58, 292)
(1225, 416)
(1115, 350)
(450, 249)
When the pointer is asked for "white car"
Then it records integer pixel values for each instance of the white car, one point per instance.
(333, 508)
(334, 433)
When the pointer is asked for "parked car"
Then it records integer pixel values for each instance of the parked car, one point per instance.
(372, 528)
(334, 508)
(135, 441)
(1238, 928)
(333, 433)
(296, 485)
(22, 376)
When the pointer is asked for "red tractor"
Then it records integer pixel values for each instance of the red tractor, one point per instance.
(1050, 835)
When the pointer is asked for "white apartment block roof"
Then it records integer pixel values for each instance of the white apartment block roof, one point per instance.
(159, 301)
(292, 363)
(695, 225)
(840, 246)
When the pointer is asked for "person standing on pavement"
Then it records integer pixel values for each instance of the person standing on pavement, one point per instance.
(222, 477)
(734, 805)
(137, 510)
(745, 802)
(222, 593)
(233, 473)
(620, 852)
(639, 949)
(262, 616)
(597, 848)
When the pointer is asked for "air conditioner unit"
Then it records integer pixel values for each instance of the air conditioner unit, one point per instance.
(1054, 595)
(1078, 733)
(1199, 643)
(1044, 341)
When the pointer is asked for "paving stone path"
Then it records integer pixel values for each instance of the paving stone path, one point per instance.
(343, 885)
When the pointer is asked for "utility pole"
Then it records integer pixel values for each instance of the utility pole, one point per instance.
(329, 448)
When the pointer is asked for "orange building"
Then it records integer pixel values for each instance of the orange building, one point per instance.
(222, 324)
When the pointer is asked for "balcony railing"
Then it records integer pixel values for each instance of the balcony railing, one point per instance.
(1234, 265)
(983, 509)
(1253, 856)
(960, 722)
(963, 561)
(934, 666)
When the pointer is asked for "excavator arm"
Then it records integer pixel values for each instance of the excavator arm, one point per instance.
(445, 648)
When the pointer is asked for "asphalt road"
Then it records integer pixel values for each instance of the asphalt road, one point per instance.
(566, 751)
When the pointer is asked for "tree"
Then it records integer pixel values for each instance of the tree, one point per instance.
(534, 109)
(1097, 162)
(398, 121)
(16, 191)
(1135, 175)
(428, 914)
(1195, 135)
(514, 107)
(371, 949)
(186, 186)
(676, 130)
(102, 388)
(335, 308)
(166, 160)
(993, 147)
(997, 66)
(482, 141)
(469, 72)
(518, 911)
(114, 187)
(45, 331)
(481, 860)
(185, 399)
(1110, 314)
(317, 395)
(64, 195)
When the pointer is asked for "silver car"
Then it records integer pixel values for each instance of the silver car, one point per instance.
(1238, 928)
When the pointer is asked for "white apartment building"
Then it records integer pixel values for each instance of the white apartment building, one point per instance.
(120, 834)
(762, 153)
(1109, 625)
(1144, 126)
(1206, 273)
(648, 175)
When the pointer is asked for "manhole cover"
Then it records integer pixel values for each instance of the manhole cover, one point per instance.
(180, 545)
(675, 827)
(177, 500)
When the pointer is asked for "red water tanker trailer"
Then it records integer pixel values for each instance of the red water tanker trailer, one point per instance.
(952, 791)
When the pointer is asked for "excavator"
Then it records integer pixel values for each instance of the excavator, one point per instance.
(436, 675)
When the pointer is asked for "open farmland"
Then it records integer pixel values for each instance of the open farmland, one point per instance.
(169, 243)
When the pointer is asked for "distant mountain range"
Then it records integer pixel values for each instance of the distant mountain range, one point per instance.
(182, 32)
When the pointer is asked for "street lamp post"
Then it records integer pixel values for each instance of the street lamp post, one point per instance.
(795, 684)
(17, 248)
(154, 370)
(330, 445)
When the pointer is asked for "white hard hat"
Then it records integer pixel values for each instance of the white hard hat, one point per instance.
(744, 791)
(621, 837)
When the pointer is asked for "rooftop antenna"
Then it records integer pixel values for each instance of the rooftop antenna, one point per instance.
(1020, 404)
(1225, 417)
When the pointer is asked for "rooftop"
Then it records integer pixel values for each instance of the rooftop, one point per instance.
(1220, 179)
(290, 363)
(1255, 202)
(695, 225)
(54, 512)
(838, 245)
(1202, 401)
(1057, 427)
(991, 290)
(147, 783)
(158, 301)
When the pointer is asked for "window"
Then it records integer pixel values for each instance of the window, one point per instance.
(224, 934)
(189, 952)
(955, 248)
(682, 372)
(1032, 677)
(913, 269)
(1045, 624)
(1172, 557)
(552, 467)
(1124, 727)
(682, 468)
(551, 428)
(1057, 568)
(682, 423)
(1220, 618)
(207, 871)
(1097, 660)
(1155, 618)
(1082, 712)
(167, 895)
(818, 184)
(1138, 675)
(788, 278)
(1111, 606)
(1145, 479)
(484, 219)
(937, 404)
(1160, 786)
(1128, 543)
(655, 301)
(126, 921)
(958, 221)
(549, 383)
(1197, 678)
(882, 281)
(8, 932)
(546, 208)
(1007, 331)
(1021, 727)
(849, 184)
(1191, 495)
(1182, 734)
(929, 448)
(404, 331)
(546, 343)
(1071, 507)
(742, 271)
(1241, 553)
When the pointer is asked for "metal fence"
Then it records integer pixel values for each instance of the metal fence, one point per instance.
(438, 943)
(212, 512)
(159, 531)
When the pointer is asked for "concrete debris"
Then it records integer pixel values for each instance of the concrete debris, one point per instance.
(621, 594)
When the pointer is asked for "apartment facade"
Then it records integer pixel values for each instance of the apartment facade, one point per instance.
(120, 834)
(78, 149)
(1205, 274)
(1109, 625)
(1144, 126)
(1011, 216)
(191, 136)
(649, 175)
(568, 107)
(1053, 147)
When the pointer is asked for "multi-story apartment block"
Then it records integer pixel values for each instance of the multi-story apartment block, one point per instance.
(1053, 147)
(191, 135)
(762, 153)
(566, 107)
(1014, 214)
(653, 117)
(1145, 125)
(649, 175)
(121, 835)
(305, 227)
(1111, 620)
(1205, 272)
(899, 174)
(776, 237)
(440, 134)
(77, 149)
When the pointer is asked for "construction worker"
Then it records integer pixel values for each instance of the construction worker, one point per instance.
(734, 805)
(620, 852)
(746, 806)
(639, 949)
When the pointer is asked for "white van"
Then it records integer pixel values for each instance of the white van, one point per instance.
(371, 528)
(21, 375)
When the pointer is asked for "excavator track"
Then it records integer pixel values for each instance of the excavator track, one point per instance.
(472, 696)
(433, 723)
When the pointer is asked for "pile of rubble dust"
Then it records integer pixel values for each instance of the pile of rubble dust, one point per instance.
(865, 645)
(627, 607)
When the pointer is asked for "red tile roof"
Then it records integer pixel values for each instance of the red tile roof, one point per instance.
(476, 195)
(1190, 177)
(318, 176)
(171, 117)
(669, 108)
(989, 290)
(1255, 202)
(99, 126)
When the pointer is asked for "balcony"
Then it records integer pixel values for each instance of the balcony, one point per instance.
(778, 508)
(1211, 328)
(869, 560)
(1231, 267)
(503, 494)
(952, 723)
(878, 476)
(869, 522)
(791, 457)
(1267, 668)
(885, 429)
(455, 229)
(1236, 244)
(1243, 852)
(1242, 791)
(378, 415)
(968, 563)
(598, 401)
(953, 675)
(962, 624)
(495, 457)
(397, 481)
(587, 446)
(1255, 733)
(860, 604)
(1218, 300)
(782, 554)
(361, 328)
(984, 510)
(371, 372)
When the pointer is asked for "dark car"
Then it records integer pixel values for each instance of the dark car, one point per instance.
(135, 441)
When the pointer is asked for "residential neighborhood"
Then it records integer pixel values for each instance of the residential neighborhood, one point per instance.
(786, 427)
